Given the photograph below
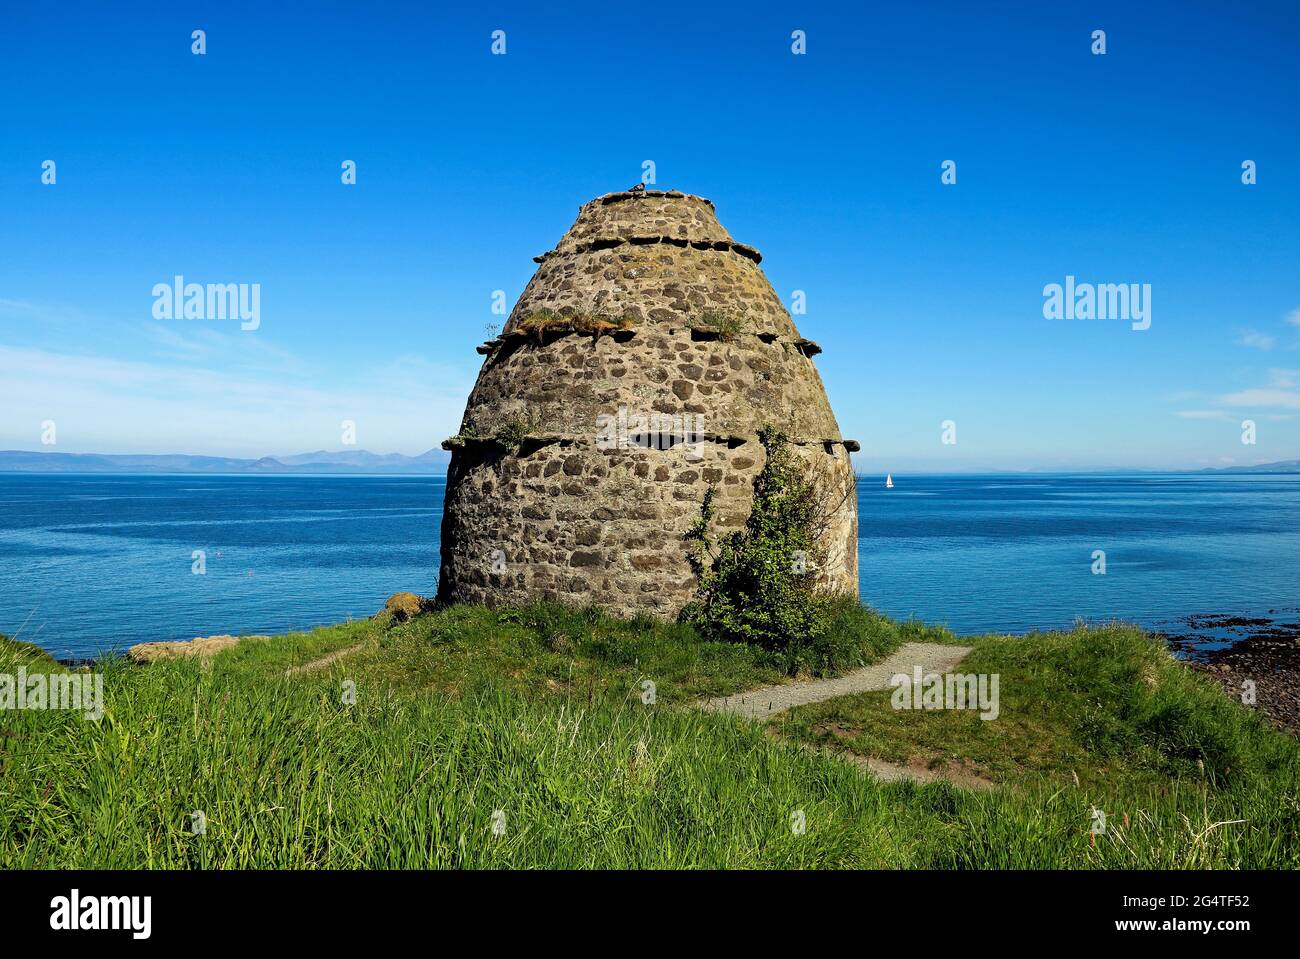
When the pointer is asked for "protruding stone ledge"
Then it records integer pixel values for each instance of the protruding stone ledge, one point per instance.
(611, 243)
(851, 445)
(535, 441)
(531, 441)
(805, 346)
(740, 439)
(517, 337)
(621, 195)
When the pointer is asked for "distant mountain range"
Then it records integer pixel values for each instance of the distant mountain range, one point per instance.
(1286, 466)
(434, 462)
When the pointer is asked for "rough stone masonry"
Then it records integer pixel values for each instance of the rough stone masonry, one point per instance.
(566, 482)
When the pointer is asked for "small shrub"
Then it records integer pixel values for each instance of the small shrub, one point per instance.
(758, 584)
(852, 636)
(468, 434)
(514, 430)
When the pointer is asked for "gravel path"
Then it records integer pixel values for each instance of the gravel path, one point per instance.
(771, 700)
(324, 662)
(887, 772)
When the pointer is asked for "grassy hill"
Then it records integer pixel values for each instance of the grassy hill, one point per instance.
(534, 720)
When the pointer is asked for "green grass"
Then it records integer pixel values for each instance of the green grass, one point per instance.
(1113, 704)
(548, 651)
(1185, 776)
(538, 713)
(16, 653)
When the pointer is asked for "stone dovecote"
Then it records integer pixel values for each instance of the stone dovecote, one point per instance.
(633, 373)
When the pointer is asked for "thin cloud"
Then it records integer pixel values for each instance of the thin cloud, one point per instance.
(1283, 390)
(110, 405)
(1257, 340)
(228, 349)
(1262, 397)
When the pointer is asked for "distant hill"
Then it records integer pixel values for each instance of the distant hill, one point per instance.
(1285, 466)
(434, 462)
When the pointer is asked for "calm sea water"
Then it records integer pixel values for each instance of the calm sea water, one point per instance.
(1014, 553)
(97, 562)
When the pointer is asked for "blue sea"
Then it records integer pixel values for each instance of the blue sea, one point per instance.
(96, 562)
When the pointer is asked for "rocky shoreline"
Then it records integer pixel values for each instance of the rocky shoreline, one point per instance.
(1237, 651)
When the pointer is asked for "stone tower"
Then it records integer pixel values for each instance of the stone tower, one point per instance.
(633, 373)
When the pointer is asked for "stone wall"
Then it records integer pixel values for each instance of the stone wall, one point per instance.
(545, 501)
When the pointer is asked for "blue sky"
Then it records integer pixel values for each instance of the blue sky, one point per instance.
(927, 299)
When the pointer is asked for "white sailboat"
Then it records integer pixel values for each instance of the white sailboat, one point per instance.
(889, 481)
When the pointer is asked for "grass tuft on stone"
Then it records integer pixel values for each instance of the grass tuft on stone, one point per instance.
(543, 322)
(725, 327)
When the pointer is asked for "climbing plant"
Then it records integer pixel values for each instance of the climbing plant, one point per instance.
(758, 584)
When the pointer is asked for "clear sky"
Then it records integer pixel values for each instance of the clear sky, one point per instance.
(927, 298)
